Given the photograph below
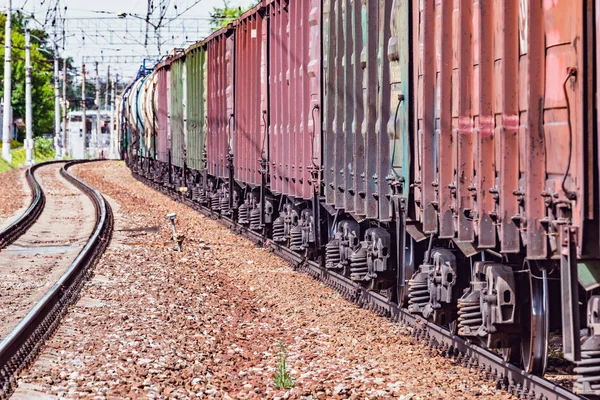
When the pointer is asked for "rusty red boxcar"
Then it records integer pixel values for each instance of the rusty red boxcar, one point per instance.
(219, 94)
(250, 118)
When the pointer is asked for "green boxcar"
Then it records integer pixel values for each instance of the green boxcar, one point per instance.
(177, 112)
(196, 106)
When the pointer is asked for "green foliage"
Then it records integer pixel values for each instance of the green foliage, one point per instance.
(4, 166)
(42, 92)
(18, 157)
(283, 379)
(14, 144)
(221, 17)
(43, 147)
(42, 151)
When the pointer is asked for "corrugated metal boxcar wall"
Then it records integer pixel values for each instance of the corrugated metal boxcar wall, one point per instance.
(196, 112)
(496, 90)
(177, 112)
(366, 116)
(295, 90)
(161, 98)
(169, 110)
(250, 96)
(220, 47)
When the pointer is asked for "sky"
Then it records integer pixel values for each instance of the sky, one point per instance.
(95, 30)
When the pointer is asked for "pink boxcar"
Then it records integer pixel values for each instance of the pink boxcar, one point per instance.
(295, 93)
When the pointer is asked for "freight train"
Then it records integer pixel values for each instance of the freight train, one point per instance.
(443, 153)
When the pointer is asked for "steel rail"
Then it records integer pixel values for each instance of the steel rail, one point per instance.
(489, 365)
(38, 201)
(19, 349)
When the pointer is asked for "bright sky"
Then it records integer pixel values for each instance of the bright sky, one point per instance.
(94, 31)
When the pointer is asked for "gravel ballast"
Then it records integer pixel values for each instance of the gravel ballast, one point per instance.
(15, 195)
(31, 265)
(210, 322)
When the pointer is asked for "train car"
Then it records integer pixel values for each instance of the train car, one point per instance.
(133, 109)
(444, 154)
(219, 119)
(366, 137)
(294, 106)
(504, 175)
(146, 109)
(250, 117)
(178, 101)
(196, 112)
(161, 101)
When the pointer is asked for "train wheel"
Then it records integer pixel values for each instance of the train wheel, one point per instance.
(534, 320)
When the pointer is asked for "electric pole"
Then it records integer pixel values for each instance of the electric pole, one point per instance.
(116, 114)
(96, 133)
(56, 97)
(64, 131)
(28, 111)
(113, 152)
(83, 116)
(107, 109)
(106, 94)
(7, 123)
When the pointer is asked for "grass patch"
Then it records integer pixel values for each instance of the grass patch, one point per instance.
(42, 151)
(283, 379)
(4, 165)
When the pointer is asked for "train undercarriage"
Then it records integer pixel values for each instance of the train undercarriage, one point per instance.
(501, 302)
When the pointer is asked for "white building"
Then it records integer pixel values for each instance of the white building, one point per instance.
(75, 143)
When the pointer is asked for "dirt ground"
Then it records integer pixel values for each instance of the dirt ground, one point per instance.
(216, 320)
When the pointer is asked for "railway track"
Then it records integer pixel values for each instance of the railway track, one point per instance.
(56, 256)
(505, 376)
(22, 223)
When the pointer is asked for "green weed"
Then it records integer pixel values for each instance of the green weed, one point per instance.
(283, 379)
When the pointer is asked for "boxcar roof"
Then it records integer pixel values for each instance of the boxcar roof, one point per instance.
(257, 8)
(194, 46)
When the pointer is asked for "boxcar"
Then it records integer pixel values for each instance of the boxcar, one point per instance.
(161, 100)
(195, 60)
(178, 110)
(220, 51)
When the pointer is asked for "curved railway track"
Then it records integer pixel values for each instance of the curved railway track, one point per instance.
(505, 376)
(63, 257)
(28, 218)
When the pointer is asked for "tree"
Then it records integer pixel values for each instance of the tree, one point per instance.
(221, 17)
(42, 92)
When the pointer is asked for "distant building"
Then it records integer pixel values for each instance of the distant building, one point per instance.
(75, 143)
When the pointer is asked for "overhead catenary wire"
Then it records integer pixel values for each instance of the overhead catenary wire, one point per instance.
(157, 30)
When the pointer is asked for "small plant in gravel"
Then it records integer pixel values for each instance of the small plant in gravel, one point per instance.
(283, 379)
